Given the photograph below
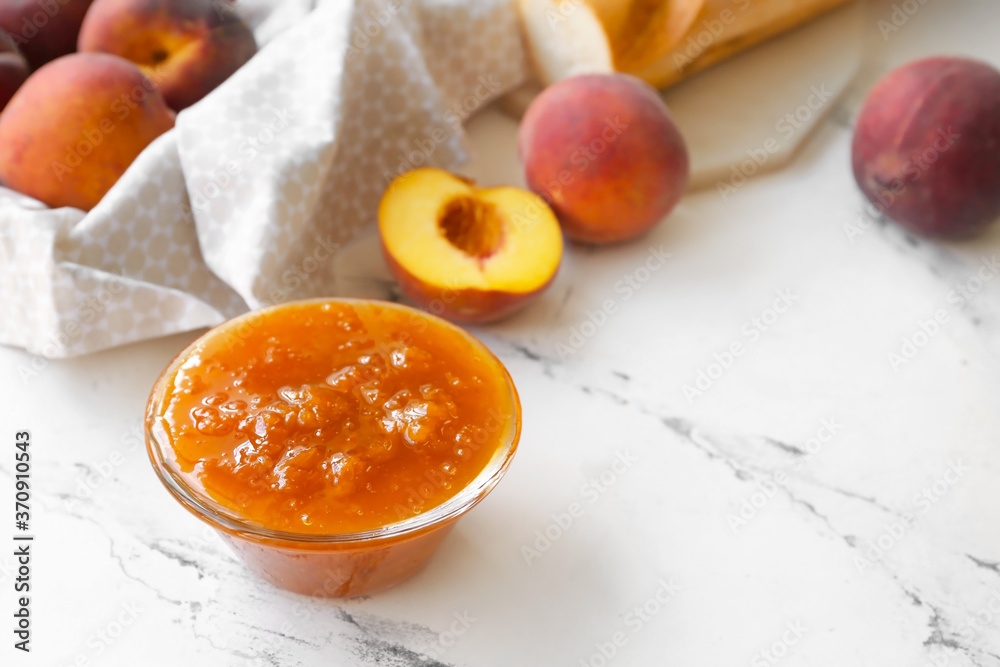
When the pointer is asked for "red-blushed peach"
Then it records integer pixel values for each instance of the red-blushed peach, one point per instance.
(13, 69)
(926, 147)
(466, 253)
(603, 150)
(43, 29)
(75, 126)
(187, 47)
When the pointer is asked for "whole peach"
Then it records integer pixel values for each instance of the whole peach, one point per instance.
(76, 125)
(187, 47)
(926, 147)
(43, 29)
(603, 150)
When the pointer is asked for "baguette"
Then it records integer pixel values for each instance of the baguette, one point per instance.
(726, 28)
(651, 29)
(564, 38)
(660, 41)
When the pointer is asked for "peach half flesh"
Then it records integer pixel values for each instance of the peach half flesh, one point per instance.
(467, 253)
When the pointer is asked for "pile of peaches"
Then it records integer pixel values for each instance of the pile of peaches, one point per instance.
(606, 163)
(86, 85)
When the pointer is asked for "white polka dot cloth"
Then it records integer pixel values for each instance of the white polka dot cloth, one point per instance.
(248, 200)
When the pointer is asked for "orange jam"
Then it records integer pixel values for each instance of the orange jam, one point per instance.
(335, 417)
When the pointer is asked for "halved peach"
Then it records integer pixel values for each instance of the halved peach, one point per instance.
(467, 253)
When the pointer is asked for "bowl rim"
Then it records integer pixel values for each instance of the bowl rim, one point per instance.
(219, 517)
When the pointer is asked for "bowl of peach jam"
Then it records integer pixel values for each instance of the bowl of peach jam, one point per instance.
(333, 443)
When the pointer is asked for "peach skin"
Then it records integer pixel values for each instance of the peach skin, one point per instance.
(76, 125)
(603, 150)
(926, 146)
(187, 47)
(43, 29)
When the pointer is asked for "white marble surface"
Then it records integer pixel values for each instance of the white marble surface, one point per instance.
(863, 453)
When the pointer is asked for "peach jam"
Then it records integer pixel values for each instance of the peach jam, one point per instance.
(334, 417)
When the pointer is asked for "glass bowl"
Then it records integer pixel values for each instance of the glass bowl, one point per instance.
(334, 565)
